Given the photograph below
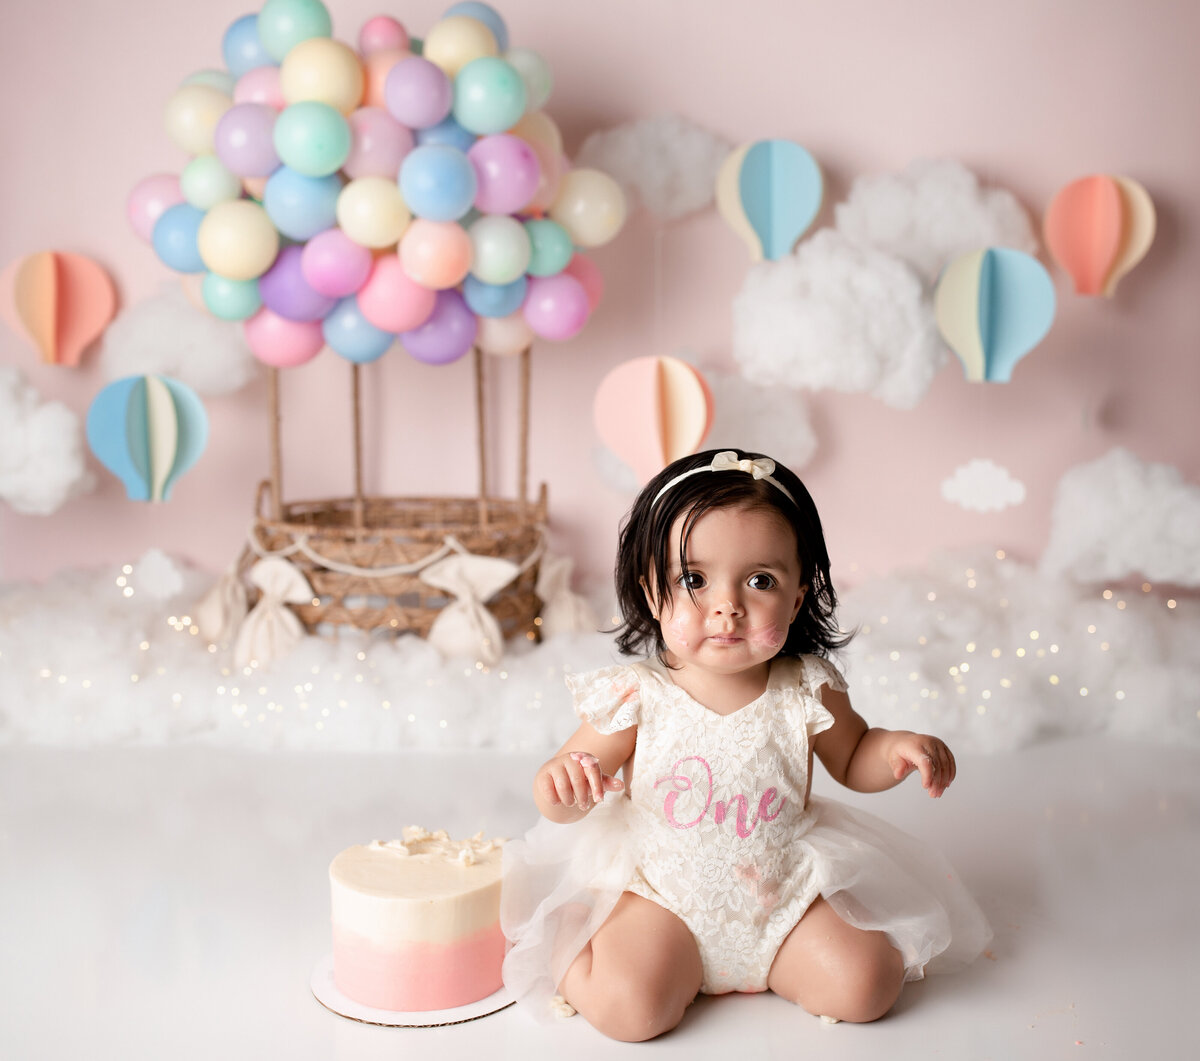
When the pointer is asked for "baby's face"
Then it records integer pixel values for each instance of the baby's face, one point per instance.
(743, 574)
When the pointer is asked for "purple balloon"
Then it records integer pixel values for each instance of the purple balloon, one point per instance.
(244, 140)
(507, 172)
(285, 291)
(417, 93)
(556, 307)
(448, 333)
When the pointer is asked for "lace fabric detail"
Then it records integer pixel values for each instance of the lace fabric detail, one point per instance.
(608, 699)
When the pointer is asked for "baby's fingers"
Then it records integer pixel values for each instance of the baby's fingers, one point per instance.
(593, 774)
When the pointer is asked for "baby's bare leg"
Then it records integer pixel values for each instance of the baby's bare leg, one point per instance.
(833, 969)
(638, 973)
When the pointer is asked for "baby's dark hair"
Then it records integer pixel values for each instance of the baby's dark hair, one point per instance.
(643, 549)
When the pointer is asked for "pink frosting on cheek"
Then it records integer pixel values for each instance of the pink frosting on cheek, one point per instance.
(771, 637)
(678, 629)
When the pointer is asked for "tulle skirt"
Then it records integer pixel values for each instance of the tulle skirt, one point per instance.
(562, 881)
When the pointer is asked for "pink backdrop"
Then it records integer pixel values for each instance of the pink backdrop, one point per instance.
(1029, 94)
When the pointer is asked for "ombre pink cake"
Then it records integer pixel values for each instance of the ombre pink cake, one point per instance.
(416, 921)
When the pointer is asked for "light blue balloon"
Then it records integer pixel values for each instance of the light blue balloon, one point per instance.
(1016, 309)
(486, 14)
(551, 247)
(438, 182)
(448, 132)
(494, 300)
(282, 24)
(489, 96)
(242, 48)
(348, 333)
(301, 206)
(231, 300)
(174, 238)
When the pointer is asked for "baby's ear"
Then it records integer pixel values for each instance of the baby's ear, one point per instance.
(800, 595)
(649, 597)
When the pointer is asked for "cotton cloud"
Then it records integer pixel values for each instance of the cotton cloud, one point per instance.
(838, 315)
(667, 163)
(168, 336)
(1120, 516)
(42, 463)
(983, 486)
(932, 213)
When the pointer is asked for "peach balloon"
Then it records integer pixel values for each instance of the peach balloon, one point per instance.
(392, 300)
(436, 254)
(504, 336)
(376, 68)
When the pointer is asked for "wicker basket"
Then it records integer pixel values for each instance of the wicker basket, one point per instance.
(349, 548)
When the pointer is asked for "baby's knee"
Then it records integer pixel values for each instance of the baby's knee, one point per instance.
(869, 984)
(633, 1011)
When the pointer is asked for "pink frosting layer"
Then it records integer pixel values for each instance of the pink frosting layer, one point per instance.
(418, 976)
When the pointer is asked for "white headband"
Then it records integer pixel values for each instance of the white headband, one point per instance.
(727, 461)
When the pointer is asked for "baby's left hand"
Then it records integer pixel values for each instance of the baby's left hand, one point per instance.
(929, 755)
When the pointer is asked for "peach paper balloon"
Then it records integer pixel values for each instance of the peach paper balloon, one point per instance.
(651, 411)
(60, 301)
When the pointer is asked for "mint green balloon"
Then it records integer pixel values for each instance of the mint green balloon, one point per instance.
(205, 182)
(489, 96)
(231, 300)
(282, 24)
(552, 248)
(312, 138)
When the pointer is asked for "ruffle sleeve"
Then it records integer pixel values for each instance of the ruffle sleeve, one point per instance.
(610, 698)
(815, 672)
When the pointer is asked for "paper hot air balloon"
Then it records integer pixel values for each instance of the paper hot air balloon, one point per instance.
(651, 411)
(147, 431)
(769, 193)
(1098, 228)
(993, 306)
(60, 302)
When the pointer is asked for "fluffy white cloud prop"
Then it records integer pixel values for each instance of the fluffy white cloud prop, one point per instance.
(931, 214)
(166, 335)
(983, 486)
(1120, 516)
(42, 463)
(992, 654)
(667, 163)
(838, 315)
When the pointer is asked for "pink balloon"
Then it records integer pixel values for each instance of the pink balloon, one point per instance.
(584, 270)
(392, 300)
(281, 343)
(507, 173)
(334, 265)
(147, 201)
(260, 85)
(378, 144)
(556, 307)
(381, 32)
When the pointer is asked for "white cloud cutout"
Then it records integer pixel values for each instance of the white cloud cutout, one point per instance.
(166, 335)
(667, 163)
(1120, 516)
(931, 213)
(982, 485)
(839, 315)
(42, 458)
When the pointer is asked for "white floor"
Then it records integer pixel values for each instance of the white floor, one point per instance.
(173, 903)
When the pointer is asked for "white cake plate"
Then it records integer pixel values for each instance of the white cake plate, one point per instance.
(327, 993)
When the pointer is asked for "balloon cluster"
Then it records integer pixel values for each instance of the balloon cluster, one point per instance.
(412, 189)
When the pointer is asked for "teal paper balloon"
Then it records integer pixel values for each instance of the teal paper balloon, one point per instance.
(993, 306)
(147, 431)
(769, 192)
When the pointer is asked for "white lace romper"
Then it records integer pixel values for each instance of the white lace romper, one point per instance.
(717, 828)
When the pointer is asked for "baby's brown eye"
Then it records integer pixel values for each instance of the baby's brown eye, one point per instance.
(761, 582)
(691, 580)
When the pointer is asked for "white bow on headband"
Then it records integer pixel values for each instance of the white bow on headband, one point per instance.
(728, 461)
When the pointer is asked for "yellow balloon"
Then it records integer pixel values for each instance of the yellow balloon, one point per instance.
(236, 239)
(590, 206)
(323, 70)
(192, 114)
(456, 41)
(372, 212)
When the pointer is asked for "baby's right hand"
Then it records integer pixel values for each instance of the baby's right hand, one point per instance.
(576, 779)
